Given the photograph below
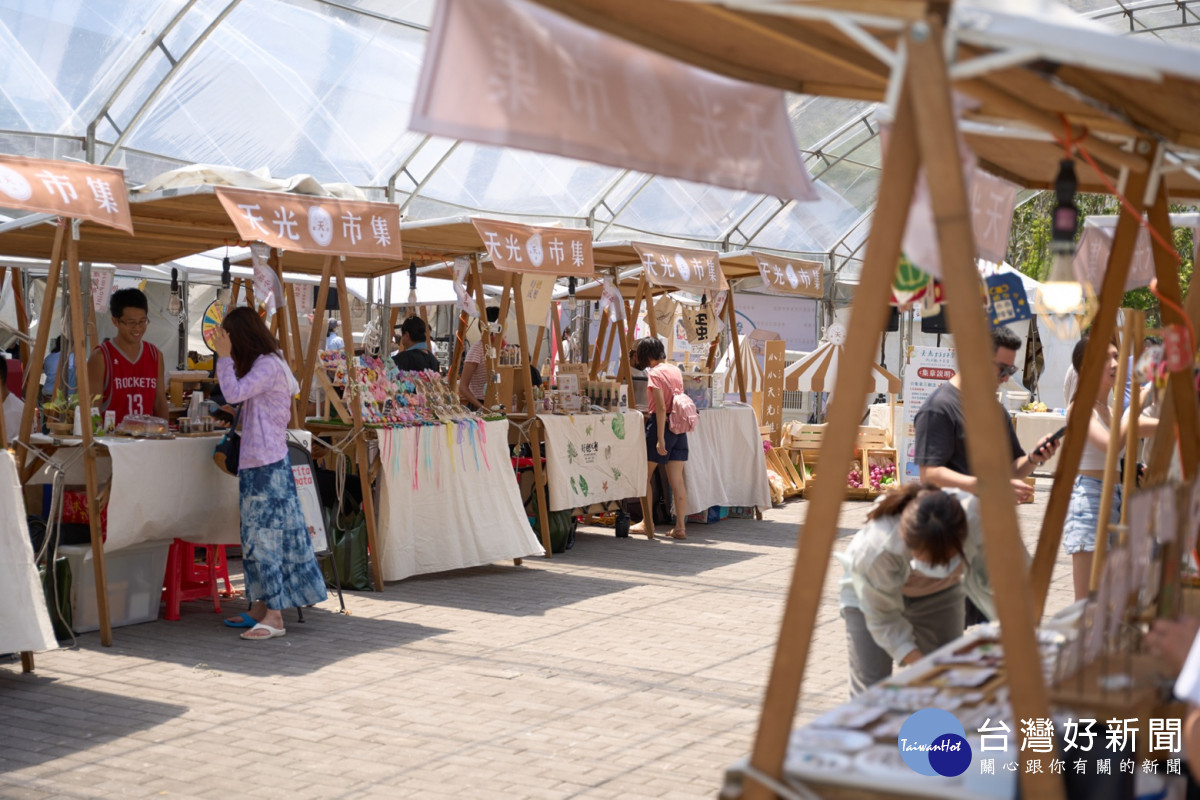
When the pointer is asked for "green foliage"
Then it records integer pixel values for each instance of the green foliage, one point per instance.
(1029, 240)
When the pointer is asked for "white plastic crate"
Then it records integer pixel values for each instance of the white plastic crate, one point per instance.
(135, 581)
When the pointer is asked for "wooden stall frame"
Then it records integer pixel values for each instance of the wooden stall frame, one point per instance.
(924, 94)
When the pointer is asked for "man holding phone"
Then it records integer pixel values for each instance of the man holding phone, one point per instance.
(940, 440)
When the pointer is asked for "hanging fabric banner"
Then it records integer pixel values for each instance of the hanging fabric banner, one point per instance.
(1091, 256)
(266, 282)
(466, 300)
(700, 322)
(782, 275)
(538, 292)
(515, 74)
(524, 248)
(102, 284)
(1006, 299)
(611, 301)
(67, 188)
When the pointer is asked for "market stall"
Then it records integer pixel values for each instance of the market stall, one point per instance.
(997, 58)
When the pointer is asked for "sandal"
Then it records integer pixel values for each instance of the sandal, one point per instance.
(677, 534)
(641, 530)
(262, 631)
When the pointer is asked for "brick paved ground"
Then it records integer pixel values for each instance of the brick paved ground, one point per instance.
(623, 669)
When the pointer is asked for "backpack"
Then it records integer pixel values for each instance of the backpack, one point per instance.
(683, 416)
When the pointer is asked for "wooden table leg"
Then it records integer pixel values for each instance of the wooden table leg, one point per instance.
(26, 661)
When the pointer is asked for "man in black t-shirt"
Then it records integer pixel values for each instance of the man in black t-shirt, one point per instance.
(940, 441)
(414, 349)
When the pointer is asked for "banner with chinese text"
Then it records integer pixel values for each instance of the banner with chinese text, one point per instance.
(309, 224)
(696, 271)
(789, 275)
(772, 401)
(524, 248)
(515, 74)
(67, 188)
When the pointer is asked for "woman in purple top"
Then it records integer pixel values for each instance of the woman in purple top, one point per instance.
(277, 556)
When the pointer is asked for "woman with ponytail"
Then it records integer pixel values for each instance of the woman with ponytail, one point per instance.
(905, 576)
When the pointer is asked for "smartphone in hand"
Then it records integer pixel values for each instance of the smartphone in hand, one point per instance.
(1054, 437)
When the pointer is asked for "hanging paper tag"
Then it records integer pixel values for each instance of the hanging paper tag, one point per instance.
(909, 283)
(611, 301)
(1177, 349)
(466, 302)
(1006, 299)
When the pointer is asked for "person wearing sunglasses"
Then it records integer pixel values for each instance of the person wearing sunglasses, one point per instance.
(131, 371)
(941, 442)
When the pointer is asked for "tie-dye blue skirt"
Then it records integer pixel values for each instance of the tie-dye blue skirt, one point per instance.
(277, 555)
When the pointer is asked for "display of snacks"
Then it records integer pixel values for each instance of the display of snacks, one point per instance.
(198, 425)
(143, 425)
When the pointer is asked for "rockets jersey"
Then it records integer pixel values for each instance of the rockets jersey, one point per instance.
(130, 387)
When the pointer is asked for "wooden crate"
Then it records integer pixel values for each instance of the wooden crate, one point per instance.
(870, 438)
(880, 455)
(808, 461)
(809, 438)
(792, 480)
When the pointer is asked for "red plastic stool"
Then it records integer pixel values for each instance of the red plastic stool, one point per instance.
(187, 580)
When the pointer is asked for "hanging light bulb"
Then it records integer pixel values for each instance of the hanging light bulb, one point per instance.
(412, 285)
(175, 304)
(1065, 304)
(224, 294)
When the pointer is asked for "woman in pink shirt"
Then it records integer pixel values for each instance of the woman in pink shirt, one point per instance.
(663, 446)
(277, 556)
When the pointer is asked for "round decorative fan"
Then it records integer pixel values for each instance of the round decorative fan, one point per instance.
(213, 316)
(836, 334)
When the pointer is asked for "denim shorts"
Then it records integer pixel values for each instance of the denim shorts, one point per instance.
(1079, 532)
(676, 443)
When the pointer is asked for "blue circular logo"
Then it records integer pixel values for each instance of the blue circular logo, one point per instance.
(933, 742)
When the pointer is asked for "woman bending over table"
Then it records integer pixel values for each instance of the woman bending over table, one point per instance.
(280, 568)
(905, 576)
(663, 446)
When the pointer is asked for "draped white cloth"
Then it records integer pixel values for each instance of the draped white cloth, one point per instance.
(449, 503)
(725, 464)
(24, 620)
(593, 458)
(161, 489)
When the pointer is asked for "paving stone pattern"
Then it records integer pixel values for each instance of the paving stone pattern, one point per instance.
(624, 668)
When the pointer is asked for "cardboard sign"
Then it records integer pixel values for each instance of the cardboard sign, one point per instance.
(772, 404)
(1006, 299)
(66, 188)
(515, 74)
(308, 224)
(790, 276)
(698, 271)
(524, 248)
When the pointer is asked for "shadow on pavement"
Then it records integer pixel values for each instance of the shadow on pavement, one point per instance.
(43, 719)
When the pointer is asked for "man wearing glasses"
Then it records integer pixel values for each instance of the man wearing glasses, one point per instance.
(940, 441)
(130, 370)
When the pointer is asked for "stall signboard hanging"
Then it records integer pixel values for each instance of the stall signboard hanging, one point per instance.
(792, 276)
(102, 287)
(67, 188)
(524, 248)
(514, 74)
(696, 271)
(772, 402)
(309, 224)
(1095, 245)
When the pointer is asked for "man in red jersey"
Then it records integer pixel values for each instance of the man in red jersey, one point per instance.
(130, 371)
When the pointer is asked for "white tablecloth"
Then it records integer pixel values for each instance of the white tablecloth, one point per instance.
(24, 621)
(161, 489)
(449, 504)
(1032, 427)
(725, 464)
(594, 458)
